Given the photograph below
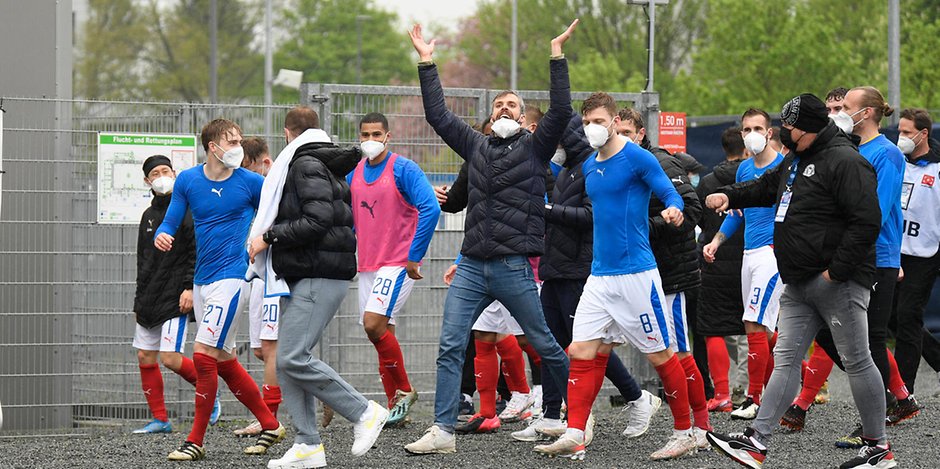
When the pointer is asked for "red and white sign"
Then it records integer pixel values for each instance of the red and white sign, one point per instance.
(672, 131)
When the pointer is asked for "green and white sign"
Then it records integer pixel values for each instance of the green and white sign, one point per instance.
(122, 193)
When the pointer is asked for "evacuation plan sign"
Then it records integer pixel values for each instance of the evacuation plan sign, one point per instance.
(122, 193)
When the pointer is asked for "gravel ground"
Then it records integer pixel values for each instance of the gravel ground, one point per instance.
(915, 443)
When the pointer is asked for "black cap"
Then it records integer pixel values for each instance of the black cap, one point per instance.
(154, 161)
(805, 112)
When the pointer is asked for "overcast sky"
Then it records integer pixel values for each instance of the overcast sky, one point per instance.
(443, 12)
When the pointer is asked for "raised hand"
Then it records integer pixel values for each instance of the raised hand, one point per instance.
(562, 38)
(425, 50)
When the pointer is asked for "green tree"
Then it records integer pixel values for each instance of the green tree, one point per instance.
(920, 62)
(321, 39)
(110, 46)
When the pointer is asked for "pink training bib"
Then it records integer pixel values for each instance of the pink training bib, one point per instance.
(385, 222)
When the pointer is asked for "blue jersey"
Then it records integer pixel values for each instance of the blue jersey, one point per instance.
(620, 189)
(417, 191)
(222, 213)
(759, 226)
(889, 167)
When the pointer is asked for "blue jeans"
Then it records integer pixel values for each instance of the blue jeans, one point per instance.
(477, 283)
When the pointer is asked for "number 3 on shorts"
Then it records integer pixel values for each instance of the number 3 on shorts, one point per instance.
(647, 325)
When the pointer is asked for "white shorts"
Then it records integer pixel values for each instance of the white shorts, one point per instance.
(675, 306)
(761, 287)
(262, 314)
(620, 308)
(217, 306)
(170, 337)
(496, 318)
(384, 291)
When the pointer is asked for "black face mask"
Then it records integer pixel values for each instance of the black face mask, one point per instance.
(786, 139)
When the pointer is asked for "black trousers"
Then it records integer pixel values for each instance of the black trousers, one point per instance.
(913, 292)
(699, 350)
(879, 315)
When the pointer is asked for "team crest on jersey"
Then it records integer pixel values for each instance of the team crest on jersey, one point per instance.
(810, 170)
(928, 180)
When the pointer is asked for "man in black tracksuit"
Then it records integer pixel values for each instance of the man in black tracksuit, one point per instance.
(505, 225)
(163, 301)
(827, 221)
(719, 301)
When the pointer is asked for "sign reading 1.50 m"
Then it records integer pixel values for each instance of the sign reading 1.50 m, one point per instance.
(122, 193)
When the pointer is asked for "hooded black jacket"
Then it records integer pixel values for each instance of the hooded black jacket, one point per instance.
(833, 219)
(162, 276)
(719, 303)
(506, 191)
(569, 236)
(674, 247)
(313, 231)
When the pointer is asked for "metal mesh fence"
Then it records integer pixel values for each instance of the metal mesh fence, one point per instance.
(67, 282)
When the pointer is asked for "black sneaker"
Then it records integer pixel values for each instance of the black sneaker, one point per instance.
(871, 455)
(478, 424)
(903, 410)
(465, 408)
(747, 411)
(500, 405)
(852, 440)
(741, 447)
(794, 419)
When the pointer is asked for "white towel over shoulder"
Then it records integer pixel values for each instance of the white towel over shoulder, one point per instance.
(271, 193)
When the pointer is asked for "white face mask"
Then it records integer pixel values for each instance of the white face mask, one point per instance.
(907, 145)
(755, 142)
(162, 185)
(597, 134)
(505, 127)
(232, 158)
(372, 148)
(559, 157)
(843, 121)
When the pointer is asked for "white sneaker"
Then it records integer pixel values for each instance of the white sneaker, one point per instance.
(747, 411)
(589, 429)
(300, 456)
(699, 437)
(640, 412)
(368, 428)
(515, 408)
(680, 444)
(536, 397)
(434, 441)
(541, 429)
(566, 446)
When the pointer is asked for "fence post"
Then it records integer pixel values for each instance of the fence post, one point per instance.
(649, 107)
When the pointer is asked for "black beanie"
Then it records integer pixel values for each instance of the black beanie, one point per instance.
(154, 161)
(805, 112)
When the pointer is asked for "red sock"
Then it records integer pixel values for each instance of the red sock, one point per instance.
(246, 390)
(207, 384)
(600, 369)
(696, 389)
(895, 382)
(391, 359)
(770, 358)
(388, 384)
(757, 353)
(677, 393)
(188, 370)
(719, 364)
(533, 355)
(513, 364)
(152, 383)
(817, 372)
(803, 365)
(581, 386)
(486, 371)
(271, 395)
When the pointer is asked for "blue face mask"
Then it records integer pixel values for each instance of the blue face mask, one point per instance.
(694, 179)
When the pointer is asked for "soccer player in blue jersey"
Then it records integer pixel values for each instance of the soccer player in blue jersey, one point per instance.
(394, 212)
(623, 298)
(760, 285)
(222, 198)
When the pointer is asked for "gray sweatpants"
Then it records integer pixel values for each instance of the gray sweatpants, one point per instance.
(305, 314)
(805, 307)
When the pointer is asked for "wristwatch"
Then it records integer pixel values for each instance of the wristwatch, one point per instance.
(268, 237)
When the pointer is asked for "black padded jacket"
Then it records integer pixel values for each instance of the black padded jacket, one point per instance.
(162, 276)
